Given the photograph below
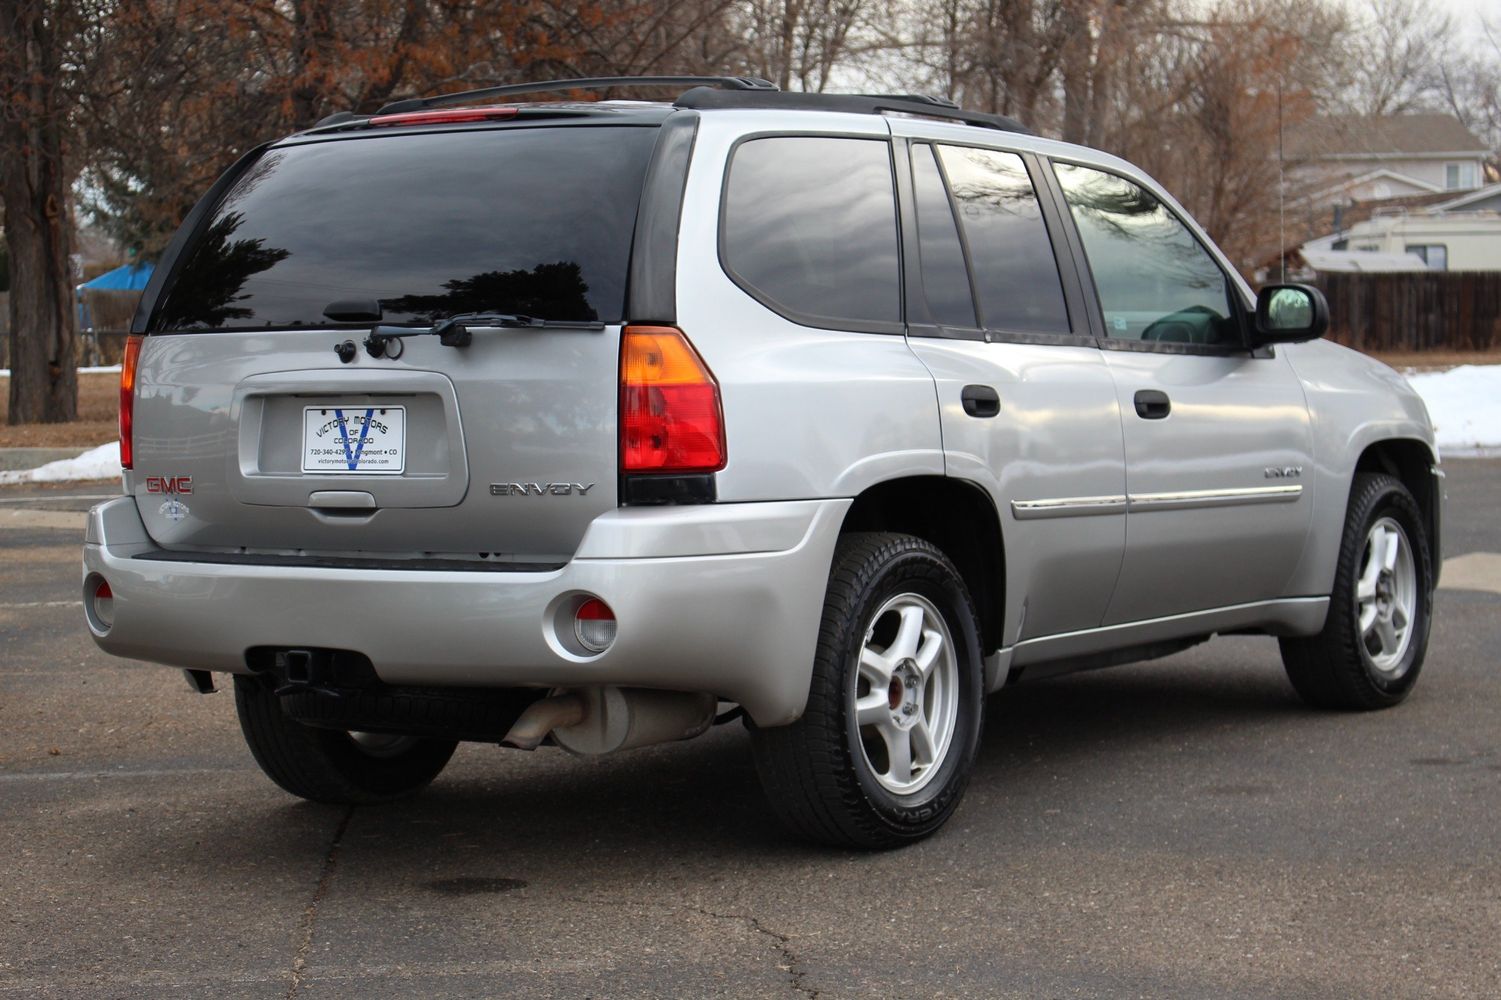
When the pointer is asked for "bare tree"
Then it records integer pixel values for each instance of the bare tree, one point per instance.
(799, 42)
(1395, 62)
(35, 38)
(1469, 86)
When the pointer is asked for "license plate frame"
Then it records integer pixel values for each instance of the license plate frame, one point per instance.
(340, 440)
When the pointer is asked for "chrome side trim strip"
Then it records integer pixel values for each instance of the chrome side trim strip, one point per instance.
(1190, 499)
(1031, 510)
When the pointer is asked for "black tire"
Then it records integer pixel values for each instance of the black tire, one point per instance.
(1335, 669)
(817, 772)
(329, 765)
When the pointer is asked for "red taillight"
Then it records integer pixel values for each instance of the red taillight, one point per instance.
(442, 117)
(128, 396)
(670, 414)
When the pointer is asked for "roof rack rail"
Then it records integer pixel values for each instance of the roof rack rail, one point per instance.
(942, 102)
(740, 83)
(703, 98)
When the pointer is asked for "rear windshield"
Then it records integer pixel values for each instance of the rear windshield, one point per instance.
(535, 222)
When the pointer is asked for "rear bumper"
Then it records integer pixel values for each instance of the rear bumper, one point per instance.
(724, 598)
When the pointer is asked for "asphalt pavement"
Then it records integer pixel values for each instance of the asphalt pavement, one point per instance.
(1183, 828)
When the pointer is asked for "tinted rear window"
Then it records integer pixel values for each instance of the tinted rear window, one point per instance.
(530, 221)
(945, 278)
(810, 229)
(1016, 275)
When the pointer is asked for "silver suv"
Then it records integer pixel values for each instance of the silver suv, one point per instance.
(601, 423)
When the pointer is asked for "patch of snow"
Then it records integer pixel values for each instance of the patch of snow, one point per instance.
(1465, 406)
(102, 462)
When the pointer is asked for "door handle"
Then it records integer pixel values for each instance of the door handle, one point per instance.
(1152, 404)
(980, 401)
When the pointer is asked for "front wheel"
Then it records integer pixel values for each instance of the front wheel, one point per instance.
(885, 746)
(1372, 647)
(332, 765)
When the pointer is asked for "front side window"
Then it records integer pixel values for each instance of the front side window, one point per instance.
(1016, 275)
(1156, 282)
(809, 228)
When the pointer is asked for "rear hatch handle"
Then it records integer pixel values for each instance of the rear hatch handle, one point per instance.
(341, 500)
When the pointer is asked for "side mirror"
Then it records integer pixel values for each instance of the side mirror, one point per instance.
(1289, 313)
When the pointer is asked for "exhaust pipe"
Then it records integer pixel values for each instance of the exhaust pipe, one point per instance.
(541, 718)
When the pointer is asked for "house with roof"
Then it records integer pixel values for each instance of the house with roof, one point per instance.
(1486, 199)
(1335, 160)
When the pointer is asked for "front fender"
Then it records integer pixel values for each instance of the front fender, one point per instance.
(1354, 402)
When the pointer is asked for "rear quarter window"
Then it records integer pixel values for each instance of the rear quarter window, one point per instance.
(809, 229)
(533, 221)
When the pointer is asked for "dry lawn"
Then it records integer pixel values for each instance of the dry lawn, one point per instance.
(98, 412)
(1438, 361)
(99, 400)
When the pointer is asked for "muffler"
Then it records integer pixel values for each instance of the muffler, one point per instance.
(599, 720)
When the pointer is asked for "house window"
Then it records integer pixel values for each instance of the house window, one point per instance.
(1459, 176)
(1435, 255)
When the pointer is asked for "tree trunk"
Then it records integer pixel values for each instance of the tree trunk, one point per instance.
(33, 185)
(1078, 64)
(312, 52)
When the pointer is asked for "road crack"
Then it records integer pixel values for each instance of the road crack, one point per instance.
(790, 963)
(310, 913)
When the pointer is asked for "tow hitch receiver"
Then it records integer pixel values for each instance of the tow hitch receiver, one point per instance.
(300, 670)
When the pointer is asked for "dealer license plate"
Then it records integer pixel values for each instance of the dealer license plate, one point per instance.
(354, 439)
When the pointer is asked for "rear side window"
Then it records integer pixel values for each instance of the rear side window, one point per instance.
(530, 221)
(1016, 275)
(809, 229)
(945, 278)
(1156, 282)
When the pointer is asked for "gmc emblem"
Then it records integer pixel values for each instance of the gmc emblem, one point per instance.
(171, 485)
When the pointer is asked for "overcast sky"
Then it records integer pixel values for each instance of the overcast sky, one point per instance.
(1468, 12)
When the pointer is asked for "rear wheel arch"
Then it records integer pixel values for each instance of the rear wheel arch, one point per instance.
(960, 519)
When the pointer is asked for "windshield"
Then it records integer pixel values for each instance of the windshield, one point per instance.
(535, 222)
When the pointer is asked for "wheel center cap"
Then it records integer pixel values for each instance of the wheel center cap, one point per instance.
(902, 695)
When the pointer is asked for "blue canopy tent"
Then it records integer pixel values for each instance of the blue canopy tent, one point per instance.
(125, 278)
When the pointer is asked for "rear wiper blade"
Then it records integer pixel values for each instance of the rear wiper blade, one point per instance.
(455, 330)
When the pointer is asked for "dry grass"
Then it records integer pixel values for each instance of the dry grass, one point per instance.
(1438, 361)
(98, 416)
(99, 400)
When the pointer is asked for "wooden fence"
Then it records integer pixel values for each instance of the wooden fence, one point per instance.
(1422, 311)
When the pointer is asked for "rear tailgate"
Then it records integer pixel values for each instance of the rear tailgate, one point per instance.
(253, 435)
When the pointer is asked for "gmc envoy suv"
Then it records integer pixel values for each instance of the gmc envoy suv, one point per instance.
(599, 423)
